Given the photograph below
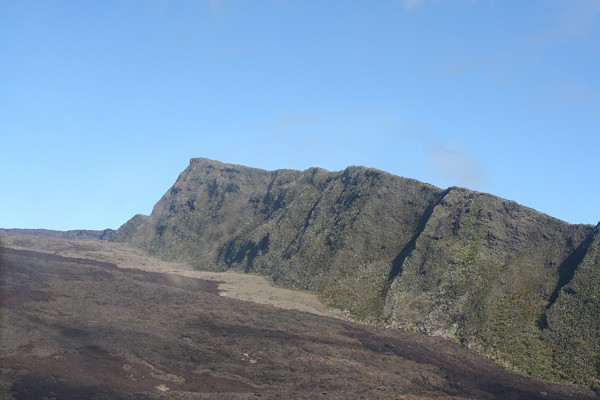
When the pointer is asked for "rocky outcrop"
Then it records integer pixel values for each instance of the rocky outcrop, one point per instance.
(501, 278)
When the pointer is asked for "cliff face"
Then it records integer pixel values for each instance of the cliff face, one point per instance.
(513, 283)
(336, 233)
(493, 274)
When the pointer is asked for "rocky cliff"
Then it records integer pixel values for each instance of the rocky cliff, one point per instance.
(506, 280)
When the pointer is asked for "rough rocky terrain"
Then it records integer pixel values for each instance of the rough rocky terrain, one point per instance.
(514, 284)
(242, 286)
(85, 319)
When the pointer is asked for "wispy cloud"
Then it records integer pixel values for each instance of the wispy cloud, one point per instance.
(456, 165)
(217, 7)
(575, 20)
(369, 138)
(412, 4)
(567, 92)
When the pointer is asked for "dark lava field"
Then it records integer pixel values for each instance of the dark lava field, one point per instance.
(82, 328)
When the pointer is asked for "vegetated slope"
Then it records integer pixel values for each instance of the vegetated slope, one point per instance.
(76, 328)
(314, 230)
(506, 280)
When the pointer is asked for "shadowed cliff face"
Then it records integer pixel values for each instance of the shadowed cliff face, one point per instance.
(501, 278)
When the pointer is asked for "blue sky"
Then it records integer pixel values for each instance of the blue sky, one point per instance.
(102, 104)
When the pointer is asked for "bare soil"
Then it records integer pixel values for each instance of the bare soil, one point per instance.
(241, 286)
(95, 320)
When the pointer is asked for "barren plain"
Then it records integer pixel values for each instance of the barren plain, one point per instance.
(87, 319)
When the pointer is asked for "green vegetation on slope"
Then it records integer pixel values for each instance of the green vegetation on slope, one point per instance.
(512, 283)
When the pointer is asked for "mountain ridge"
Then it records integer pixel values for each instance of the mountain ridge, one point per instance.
(494, 275)
(105, 234)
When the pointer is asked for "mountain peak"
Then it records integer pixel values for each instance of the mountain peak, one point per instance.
(462, 264)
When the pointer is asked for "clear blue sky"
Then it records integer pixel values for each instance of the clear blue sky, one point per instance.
(103, 103)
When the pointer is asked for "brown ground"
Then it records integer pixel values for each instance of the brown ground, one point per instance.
(242, 286)
(84, 324)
